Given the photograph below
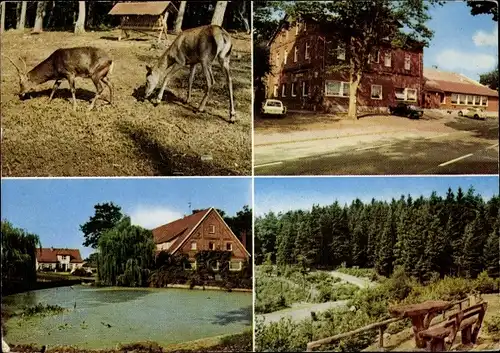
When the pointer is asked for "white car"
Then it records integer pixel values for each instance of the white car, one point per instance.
(470, 112)
(273, 107)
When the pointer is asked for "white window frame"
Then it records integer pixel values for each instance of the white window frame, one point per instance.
(303, 89)
(341, 93)
(283, 90)
(340, 52)
(213, 245)
(230, 246)
(295, 54)
(462, 101)
(388, 55)
(378, 57)
(451, 98)
(234, 269)
(275, 92)
(484, 98)
(193, 245)
(407, 61)
(216, 268)
(407, 95)
(307, 55)
(292, 91)
(211, 229)
(381, 92)
(193, 266)
(285, 56)
(472, 100)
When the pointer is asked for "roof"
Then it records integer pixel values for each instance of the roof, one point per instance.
(141, 8)
(455, 83)
(178, 230)
(50, 255)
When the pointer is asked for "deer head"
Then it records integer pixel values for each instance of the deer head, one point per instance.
(152, 79)
(24, 82)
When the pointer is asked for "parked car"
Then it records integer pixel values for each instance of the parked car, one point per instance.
(409, 110)
(273, 107)
(470, 112)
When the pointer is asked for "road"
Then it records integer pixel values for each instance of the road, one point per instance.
(303, 311)
(456, 146)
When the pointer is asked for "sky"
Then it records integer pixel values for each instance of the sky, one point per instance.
(285, 194)
(462, 43)
(54, 208)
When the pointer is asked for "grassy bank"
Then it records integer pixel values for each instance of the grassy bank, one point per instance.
(231, 343)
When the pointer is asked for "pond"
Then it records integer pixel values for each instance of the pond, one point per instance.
(104, 317)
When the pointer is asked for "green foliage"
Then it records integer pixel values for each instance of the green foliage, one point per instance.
(493, 327)
(484, 8)
(18, 254)
(276, 293)
(41, 310)
(106, 216)
(490, 79)
(80, 272)
(125, 255)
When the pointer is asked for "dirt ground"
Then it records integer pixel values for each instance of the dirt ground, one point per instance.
(131, 138)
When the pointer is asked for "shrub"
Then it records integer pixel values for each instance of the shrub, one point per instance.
(493, 327)
(486, 284)
(80, 272)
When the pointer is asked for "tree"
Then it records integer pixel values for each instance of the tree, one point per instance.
(21, 21)
(40, 14)
(218, 16)
(2, 16)
(80, 23)
(106, 216)
(180, 17)
(479, 7)
(241, 13)
(357, 29)
(490, 79)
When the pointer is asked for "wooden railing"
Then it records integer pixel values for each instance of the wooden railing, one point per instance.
(382, 325)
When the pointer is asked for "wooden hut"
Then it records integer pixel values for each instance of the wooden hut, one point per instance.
(143, 17)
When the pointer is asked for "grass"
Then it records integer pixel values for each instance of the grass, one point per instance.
(60, 276)
(131, 138)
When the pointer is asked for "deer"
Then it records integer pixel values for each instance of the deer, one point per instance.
(200, 45)
(68, 63)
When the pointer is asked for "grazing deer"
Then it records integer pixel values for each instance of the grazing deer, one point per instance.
(69, 63)
(201, 45)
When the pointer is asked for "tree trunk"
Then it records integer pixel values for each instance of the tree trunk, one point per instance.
(180, 17)
(2, 19)
(21, 23)
(353, 95)
(218, 16)
(40, 14)
(242, 14)
(80, 23)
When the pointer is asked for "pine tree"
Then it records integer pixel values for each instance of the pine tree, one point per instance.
(385, 250)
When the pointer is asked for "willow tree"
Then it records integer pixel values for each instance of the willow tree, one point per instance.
(126, 255)
(18, 254)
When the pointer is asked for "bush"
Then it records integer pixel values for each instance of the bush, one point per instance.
(493, 327)
(486, 284)
(81, 272)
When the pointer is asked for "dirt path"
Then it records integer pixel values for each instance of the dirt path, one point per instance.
(360, 282)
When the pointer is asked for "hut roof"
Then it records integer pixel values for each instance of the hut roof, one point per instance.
(142, 8)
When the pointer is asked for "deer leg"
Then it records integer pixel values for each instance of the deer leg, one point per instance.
(170, 71)
(71, 81)
(190, 82)
(54, 88)
(225, 65)
(206, 71)
(108, 83)
(99, 89)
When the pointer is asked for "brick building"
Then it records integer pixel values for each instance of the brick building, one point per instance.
(300, 54)
(451, 91)
(203, 230)
(58, 259)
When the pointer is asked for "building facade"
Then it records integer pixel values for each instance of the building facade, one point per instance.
(203, 230)
(451, 91)
(301, 57)
(63, 260)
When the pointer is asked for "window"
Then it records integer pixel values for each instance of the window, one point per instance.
(484, 100)
(387, 60)
(374, 57)
(443, 98)
(305, 88)
(215, 266)
(376, 92)
(295, 54)
(189, 265)
(193, 245)
(307, 56)
(400, 94)
(454, 98)
(294, 90)
(211, 246)
(285, 56)
(211, 229)
(407, 62)
(411, 94)
(336, 89)
(235, 266)
(340, 52)
(283, 90)
(275, 93)
(470, 99)
(229, 247)
(462, 99)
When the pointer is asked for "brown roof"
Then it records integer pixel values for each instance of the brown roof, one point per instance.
(455, 83)
(178, 229)
(50, 254)
(141, 8)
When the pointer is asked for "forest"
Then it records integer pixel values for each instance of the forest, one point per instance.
(429, 237)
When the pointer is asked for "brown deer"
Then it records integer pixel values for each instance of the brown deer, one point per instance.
(69, 63)
(201, 45)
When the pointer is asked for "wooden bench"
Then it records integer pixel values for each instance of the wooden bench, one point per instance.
(467, 321)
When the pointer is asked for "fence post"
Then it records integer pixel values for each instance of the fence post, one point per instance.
(381, 330)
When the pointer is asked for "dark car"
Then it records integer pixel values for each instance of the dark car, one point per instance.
(408, 110)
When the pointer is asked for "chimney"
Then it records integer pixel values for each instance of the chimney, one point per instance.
(244, 238)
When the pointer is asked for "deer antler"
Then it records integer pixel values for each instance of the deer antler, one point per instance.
(13, 63)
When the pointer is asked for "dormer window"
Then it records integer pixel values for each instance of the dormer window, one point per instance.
(211, 229)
